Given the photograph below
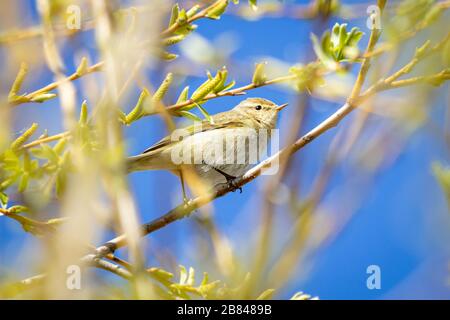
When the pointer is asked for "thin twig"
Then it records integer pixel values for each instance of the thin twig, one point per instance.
(92, 260)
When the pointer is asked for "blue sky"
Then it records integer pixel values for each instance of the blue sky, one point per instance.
(401, 225)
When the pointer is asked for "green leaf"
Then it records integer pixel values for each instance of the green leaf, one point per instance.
(174, 15)
(18, 209)
(27, 165)
(82, 67)
(3, 199)
(23, 184)
(323, 55)
(42, 97)
(207, 87)
(191, 277)
(307, 77)
(223, 78)
(217, 9)
(266, 295)
(161, 275)
(342, 36)
(173, 39)
(182, 17)
(229, 85)
(137, 111)
(259, 76)
(168, 56)
(192, 11)
(60, 146)
(17, 85)
(183, 95)
(45, 152)
(163, 88)
(301, 296)
(337, 46)
(60, 183)
(20, 141)
(183, 274)
(188, 115)
(205, 113)
(83, 113)
(335, 35)
(253, 4)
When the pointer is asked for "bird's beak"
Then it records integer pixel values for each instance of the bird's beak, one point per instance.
(281, 107)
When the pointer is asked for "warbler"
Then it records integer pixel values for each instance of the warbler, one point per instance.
(218, 149)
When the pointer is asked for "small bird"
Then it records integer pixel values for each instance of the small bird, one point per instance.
(218, 149)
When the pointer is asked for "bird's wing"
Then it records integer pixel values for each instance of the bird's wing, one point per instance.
(219, 121)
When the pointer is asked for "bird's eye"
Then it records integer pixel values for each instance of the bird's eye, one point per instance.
(258, 107)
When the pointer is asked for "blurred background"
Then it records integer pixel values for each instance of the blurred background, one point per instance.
(362, 194)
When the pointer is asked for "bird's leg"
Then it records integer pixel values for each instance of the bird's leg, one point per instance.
(185, 198)
(228, 177)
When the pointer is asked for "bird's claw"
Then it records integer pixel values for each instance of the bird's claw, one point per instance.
(230, 179)
(232, 185)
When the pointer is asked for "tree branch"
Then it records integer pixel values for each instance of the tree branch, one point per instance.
(185, 210)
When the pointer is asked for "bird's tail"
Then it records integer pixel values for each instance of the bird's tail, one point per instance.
(139, 163)
(148, 161)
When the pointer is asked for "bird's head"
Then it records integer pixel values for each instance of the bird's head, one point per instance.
(262, 111)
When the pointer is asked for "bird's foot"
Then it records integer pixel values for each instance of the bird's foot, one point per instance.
(230, 179)
(232, 185)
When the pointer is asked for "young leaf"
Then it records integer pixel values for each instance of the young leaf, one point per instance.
(322, 53)
(217, 9)
(259, 76)
(205, 113)
(182, 17)
(266, 295)
(162, 90)
(83, 113)
(173, 39)
(174, 15)
(23, 184)
(191, 277)
(192, 11)
(168, 56)
(18, 209)
(207, 87)
(82, 68)
(13, 93)
(253, 4)
(49, 153)
(188, 115)
(42, 97)
(221, 84)
(24, 137)
(183, 95)
(3, 199)
(59, 147)
(183, 274)
(137, 111)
